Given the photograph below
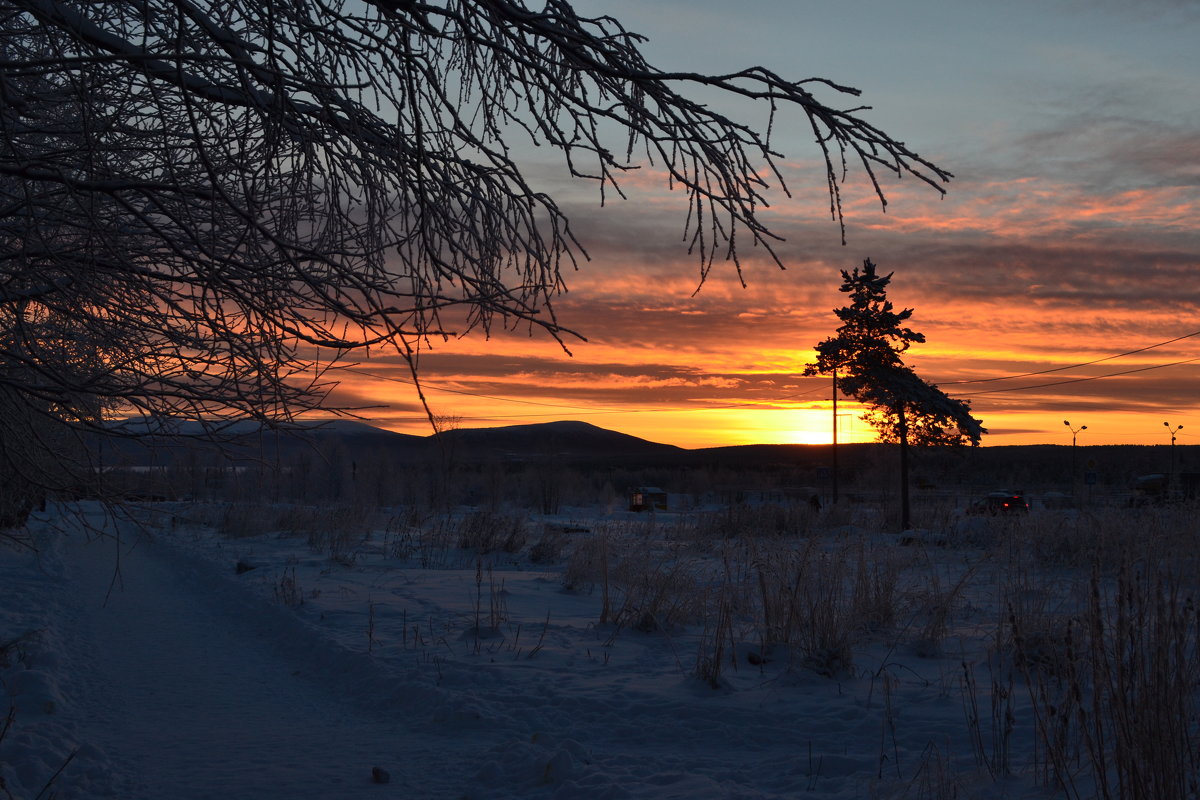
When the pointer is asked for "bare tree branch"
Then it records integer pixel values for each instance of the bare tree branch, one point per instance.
(204, 205)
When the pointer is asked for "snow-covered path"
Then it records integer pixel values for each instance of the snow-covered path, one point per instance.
(194, 700)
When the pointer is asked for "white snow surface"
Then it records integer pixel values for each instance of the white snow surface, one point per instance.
(144, 662)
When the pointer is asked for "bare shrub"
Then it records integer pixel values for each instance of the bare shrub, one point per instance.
(336, 531)
(644, 586)
(659, 591)
(993, 750)
(495, 611)
(1041, 606)
(717, 635)
(400, 540)
(427, 537)
(826, 642)
(876, 576)
(435, 537)
(549, 548)
(287, 589)
(585, 566)
(937, 607)
(489, 532)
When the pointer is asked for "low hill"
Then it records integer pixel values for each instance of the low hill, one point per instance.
(568, 440)
(141, 443)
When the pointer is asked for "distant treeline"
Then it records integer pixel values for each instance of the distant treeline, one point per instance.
(347, 469)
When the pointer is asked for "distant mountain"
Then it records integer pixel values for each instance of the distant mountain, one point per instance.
(568, 440)
(162, 440)
(158, 441)
(173, 427)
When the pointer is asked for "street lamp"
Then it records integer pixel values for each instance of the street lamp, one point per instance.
(1074, 433)
(1173, 431)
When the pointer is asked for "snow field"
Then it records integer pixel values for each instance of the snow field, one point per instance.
(629, 659)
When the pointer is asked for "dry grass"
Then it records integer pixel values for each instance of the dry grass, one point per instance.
(718, 634)
(337, 531)
(429, 539)
(937, 607)
(991, 739)
(452, 541)
(809, 599)
(585, 565)
(550, 546)
(935, 777)
(1117, 712)
(287, 589)
(488, 532)
(773, 519)
(806, 606)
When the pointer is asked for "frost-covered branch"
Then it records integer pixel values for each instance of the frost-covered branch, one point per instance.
(221, 198)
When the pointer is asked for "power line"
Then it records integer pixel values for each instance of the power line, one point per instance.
(1084, 380)
(1072, 366)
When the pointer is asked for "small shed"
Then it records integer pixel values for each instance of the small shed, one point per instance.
(647, 498)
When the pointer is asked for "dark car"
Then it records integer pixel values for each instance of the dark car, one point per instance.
(1000, 503)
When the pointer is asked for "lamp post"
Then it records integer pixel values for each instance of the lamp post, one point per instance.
(1074, 433)
(1172, 431)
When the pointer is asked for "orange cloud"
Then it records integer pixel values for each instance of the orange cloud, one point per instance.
(1008, 275)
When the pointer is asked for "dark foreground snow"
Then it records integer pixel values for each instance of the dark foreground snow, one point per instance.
(169, 675)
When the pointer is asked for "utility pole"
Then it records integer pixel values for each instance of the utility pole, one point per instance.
(905, 509)
(835, 443)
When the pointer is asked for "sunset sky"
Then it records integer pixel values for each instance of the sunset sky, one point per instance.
(1071, 233)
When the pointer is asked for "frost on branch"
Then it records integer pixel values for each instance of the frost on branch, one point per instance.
(207, 204)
